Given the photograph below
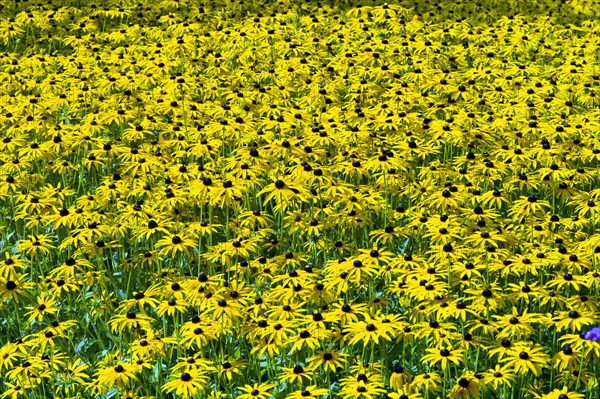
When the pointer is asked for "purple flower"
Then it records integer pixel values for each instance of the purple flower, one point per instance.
(593, 334)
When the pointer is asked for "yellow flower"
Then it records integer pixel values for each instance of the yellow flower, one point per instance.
(562, 393)
(15, 391)
(187, 384)
(130, 320)
(466, 387)
(499, 377)
(444, 357)
(367, 331)
(295, 374)
(328, 359)
(175, 244)
(172, 306)
(283, 193)
(360, 390)
(36, 245)
(427, 382)
(399, 377)
(310, 392)
(120, 375)
(14, 289)
(255, 391)
(525, 359)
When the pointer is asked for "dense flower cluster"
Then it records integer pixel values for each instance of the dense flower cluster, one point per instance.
(299, 199)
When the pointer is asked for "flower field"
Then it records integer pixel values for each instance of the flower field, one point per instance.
(300, 199)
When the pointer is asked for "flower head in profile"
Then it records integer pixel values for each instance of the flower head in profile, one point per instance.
(467, 386)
